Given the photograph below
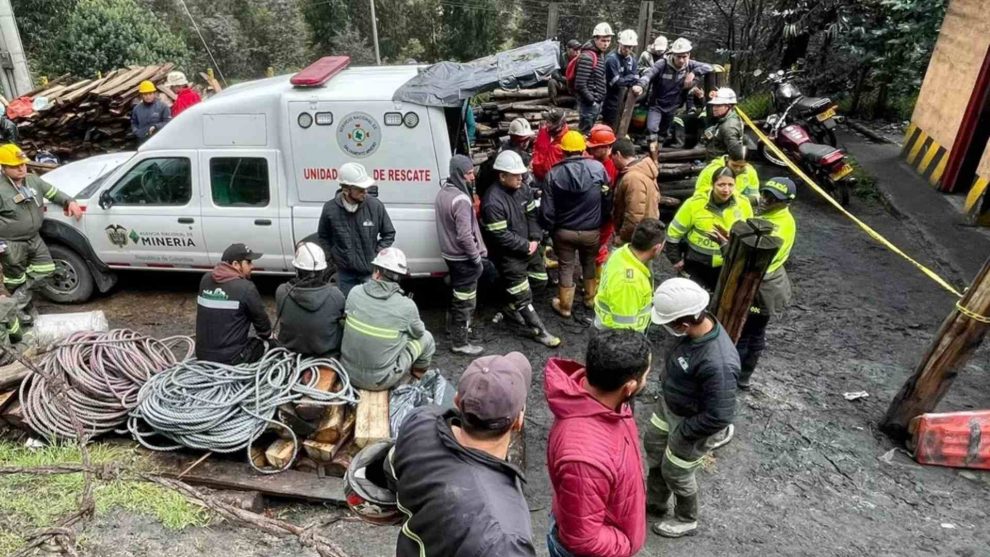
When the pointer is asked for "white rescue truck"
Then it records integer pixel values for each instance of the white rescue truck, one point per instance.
(254, 164)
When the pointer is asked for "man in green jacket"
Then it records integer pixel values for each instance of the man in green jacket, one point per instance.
(384, 337)
(26, 261)
(626, 292)
(726, 134)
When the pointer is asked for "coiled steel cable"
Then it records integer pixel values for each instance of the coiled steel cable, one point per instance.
(104, 371)
(223, 408)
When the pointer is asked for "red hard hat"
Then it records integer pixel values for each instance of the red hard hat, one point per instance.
(601, 136)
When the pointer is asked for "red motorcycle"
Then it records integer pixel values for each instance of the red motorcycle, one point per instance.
(825, 164)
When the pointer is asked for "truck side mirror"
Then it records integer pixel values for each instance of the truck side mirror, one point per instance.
(105, 200)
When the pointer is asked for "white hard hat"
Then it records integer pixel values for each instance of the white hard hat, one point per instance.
(309, 257)
(602, 30)
(176, 79)
(391, 259)
(354, 174)
(680, 46)
(676, 298)
(510, 161)
(660, 44)
(724, 95)
(628, 38)
(521, 127)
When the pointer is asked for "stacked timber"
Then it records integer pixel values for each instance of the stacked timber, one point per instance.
(90, 116)
(493, 116)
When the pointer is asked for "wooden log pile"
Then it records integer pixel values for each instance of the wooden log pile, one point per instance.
(494, 116)
(89, 116)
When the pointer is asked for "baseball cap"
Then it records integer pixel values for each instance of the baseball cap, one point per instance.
(573, 43)
(493, 389)
(239, 252)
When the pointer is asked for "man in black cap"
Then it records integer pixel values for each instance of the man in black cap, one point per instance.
(227, 306)
(451, 475)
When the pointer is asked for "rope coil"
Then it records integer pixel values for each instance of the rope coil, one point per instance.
(104, 371)
(224, 408)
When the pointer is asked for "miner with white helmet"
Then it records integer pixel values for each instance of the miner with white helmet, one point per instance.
(344, 229)
(668, 79)
(309, 311)
(620, 74)
(653, 53)
(694, 416)
(726, 135)
(589, 83)
(384, 337)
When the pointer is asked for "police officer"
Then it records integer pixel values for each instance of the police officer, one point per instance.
(668, 79)
(27, 264)
(701, 226)
(726, 135)
(508, 214)
(747, 180)
(776, 196)
(626, 293)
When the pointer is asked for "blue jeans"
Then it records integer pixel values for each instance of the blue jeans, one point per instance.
(553, 544)
(588, 115)
(346, 280)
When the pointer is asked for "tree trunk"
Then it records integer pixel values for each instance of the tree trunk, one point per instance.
(956, 340)
(752, 248)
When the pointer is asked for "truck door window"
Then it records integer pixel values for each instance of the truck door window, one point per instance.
(239, 181)
(164, 181)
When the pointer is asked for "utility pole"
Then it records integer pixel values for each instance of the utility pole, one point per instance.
(14, 75)
(553, 17)
(374, 32)
(645, 25)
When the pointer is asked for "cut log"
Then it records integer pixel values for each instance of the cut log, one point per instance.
(321, 453)
(14, 416)
(307, 408)
(626, 114)
(961, 333)
(257, 455)
(6, 398)
(371, 423)
(667, 155)
(752, 248)
(336, 424)
(11, 375)
(539, 92)
(280, 453)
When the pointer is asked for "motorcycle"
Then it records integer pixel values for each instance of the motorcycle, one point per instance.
(817, 114)
(825, 164)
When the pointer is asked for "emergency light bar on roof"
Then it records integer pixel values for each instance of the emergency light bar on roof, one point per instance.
(319, 72)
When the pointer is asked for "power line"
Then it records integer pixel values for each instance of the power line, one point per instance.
(208, 51)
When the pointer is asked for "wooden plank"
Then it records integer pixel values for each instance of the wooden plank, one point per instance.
(307, 408)
(371, 423)
(7, 397)
(280, 453)
(222, 473)
(14, 416)
(12, 374)
(319, 452)
(330, 427)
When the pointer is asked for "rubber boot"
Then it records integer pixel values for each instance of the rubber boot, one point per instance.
(590, 291)
(745, 374)
(512, 314)
(685, 519)
(540, 332)
(459, 344)
(564, 301)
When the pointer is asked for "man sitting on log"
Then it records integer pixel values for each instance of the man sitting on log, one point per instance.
(309, 308)
(384, 337)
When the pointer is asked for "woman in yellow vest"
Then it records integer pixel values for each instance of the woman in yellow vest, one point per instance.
(695, 236)
(747, 180)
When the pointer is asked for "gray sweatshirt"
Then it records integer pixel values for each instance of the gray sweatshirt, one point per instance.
(457, 225)
(310, 318)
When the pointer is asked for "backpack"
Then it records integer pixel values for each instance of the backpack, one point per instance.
(570, 73)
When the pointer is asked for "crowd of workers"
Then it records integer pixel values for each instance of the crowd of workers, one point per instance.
(596, 201)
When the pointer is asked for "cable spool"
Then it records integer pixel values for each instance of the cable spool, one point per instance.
(104, 371)
(224, 408)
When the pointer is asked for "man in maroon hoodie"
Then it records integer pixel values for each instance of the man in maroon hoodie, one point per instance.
(593, 453)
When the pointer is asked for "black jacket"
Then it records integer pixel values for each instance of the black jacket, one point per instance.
(576, 196)
(354, 239)
(309, 318)
(225, 312)
(461, 502)
(508, 219)
(589, 77)
(699, 383)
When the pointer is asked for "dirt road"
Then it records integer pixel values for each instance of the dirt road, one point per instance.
(807, 474)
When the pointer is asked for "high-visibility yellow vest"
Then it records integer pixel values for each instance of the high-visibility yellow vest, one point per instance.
(697, 218)
(784, 228)
(747, 183)
(625, 295)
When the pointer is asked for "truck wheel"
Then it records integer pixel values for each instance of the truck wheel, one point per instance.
(72, 282)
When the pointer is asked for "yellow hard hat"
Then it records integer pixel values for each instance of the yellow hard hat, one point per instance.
(147, 87)
(572, 142)
(11, 155)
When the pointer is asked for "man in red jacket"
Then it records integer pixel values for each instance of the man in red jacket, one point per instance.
(593, 452)
(185, 96)
(546, 147)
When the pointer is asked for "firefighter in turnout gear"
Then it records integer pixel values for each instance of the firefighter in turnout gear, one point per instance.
(27, 264)
(508, 215)
(776, 196)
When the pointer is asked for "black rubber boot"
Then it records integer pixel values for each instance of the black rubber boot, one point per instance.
(540, 332)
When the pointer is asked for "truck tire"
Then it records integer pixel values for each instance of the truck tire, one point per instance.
(72, 281)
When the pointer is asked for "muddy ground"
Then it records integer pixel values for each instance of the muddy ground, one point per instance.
(808, 472)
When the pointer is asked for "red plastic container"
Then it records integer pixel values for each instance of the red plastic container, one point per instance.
(957, 439)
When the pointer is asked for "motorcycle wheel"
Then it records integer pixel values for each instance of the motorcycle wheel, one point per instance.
(769, 156)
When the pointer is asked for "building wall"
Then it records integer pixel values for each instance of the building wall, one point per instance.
(945, 93)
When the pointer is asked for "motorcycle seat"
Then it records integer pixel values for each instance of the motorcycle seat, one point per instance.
(815, 152)
(812, 104)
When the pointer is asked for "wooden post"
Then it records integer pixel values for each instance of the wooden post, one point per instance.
(956, 340)
(644, 25)
(751, 249)
(626, 114)
(553, 19)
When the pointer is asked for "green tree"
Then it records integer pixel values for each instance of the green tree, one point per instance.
(474, 30)
(37, 20)
(102, 35)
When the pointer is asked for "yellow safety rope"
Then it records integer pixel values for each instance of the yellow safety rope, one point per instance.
(872, 233)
